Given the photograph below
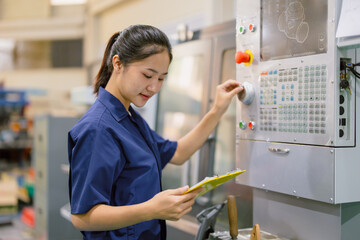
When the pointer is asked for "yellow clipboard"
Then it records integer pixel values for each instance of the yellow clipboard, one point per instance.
(209, 183)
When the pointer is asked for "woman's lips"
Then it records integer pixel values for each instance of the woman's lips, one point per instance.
(145, 97)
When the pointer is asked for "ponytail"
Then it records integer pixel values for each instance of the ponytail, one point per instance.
(106, 68)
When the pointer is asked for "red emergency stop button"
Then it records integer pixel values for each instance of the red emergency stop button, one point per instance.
(244, 57)
(241, 57)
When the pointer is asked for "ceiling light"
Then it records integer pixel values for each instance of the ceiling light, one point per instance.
(67, 2)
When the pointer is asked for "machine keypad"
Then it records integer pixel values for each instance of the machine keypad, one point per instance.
(293, 100)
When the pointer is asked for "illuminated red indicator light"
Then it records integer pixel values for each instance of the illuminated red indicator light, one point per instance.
(251, 27)
(251, 125)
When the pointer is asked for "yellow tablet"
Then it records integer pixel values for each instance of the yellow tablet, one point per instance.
(209, 183)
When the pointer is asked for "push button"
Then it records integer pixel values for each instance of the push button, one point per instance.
(251, 27)
(251, 125)
(242, 30)
(242, 57)
(242, 125)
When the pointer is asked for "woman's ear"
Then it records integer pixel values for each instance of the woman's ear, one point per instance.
(117, 65)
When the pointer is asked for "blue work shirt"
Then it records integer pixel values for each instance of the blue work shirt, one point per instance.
(116, 159)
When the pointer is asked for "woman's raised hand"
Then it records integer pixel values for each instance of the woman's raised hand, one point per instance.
(224, 93)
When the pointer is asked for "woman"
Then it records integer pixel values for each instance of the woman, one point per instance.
(116, 159)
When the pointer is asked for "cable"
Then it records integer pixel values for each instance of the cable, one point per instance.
(351, 67)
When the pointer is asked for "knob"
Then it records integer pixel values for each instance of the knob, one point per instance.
(247, 96)
(245, 57)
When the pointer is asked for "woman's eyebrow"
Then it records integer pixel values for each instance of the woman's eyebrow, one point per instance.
(154, 71)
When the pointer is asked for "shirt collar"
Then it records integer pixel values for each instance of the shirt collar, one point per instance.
(114, 105)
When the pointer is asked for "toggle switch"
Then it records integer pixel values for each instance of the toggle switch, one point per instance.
(244, 57)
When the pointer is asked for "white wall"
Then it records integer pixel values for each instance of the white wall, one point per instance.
(165, 14)
(24, 9)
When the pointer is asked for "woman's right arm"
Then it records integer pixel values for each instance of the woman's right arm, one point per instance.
(168, 205)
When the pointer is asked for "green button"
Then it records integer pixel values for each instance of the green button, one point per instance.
(241, 125)
(242, 29)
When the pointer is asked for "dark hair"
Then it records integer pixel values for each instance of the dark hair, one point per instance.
(135, 43)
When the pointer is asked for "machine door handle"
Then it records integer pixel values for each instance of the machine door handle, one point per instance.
(279, 150)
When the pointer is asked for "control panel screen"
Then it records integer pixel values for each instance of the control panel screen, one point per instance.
(293, 28)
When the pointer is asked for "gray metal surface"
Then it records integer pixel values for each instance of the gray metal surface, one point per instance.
(297, 218)
(177, 234)
(305, 171)
(51, 193)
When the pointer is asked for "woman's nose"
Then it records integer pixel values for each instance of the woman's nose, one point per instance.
(154, 86)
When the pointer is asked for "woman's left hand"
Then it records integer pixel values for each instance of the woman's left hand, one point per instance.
(224, 93)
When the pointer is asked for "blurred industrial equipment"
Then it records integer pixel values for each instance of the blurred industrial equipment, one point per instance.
(15, 149)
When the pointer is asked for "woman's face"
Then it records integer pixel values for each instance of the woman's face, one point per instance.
(139, 81)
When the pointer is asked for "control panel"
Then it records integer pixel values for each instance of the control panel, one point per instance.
(297, 123)
(286, 51)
